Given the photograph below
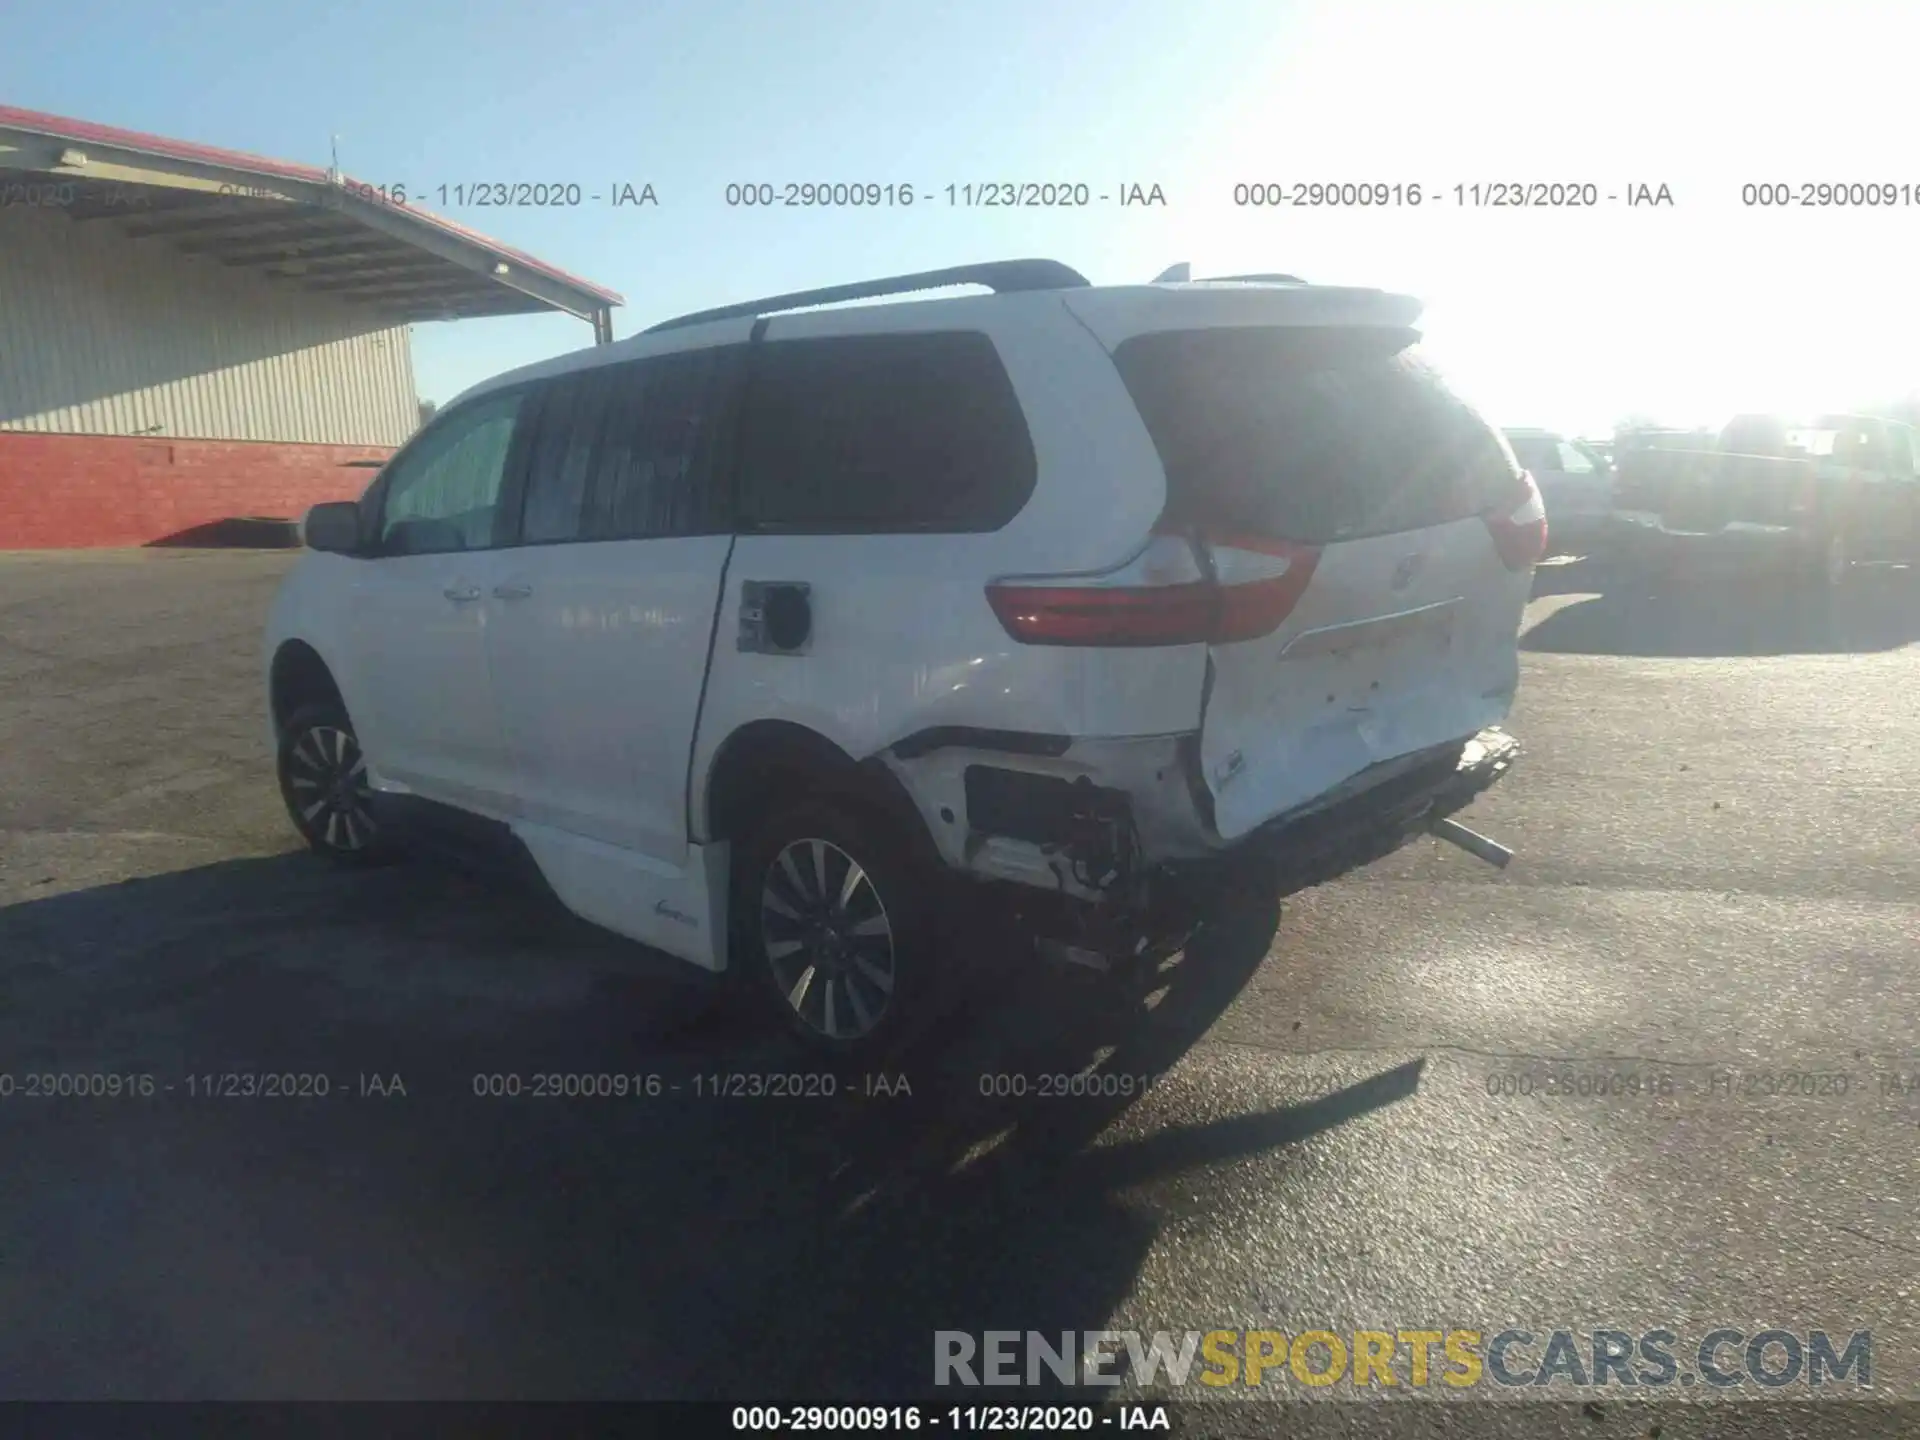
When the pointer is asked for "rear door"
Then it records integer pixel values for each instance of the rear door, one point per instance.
(1545, 458)
(1903, 532)
(894, 461)
(1881, 493)
(1853, 478)
(1335, 456)
(1586, 488)
(599, 620)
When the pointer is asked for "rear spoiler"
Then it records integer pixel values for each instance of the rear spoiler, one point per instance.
(1120, 312)
(1182, 274)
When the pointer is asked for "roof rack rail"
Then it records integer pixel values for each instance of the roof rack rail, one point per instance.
(1284, 279)
(1000, 276)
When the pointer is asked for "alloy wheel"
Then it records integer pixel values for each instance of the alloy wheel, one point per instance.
(828, 939)
(327, 787)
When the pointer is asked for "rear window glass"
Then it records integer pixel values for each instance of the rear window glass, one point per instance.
(1849, 439)
(865, 433)
(1310, 433)
(1855, 440)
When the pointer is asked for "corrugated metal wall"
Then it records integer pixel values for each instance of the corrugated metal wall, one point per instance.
(104, 335)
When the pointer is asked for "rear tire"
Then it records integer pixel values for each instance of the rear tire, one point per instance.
(834, 928)
(323, 782)
(1826, 564)
(1645, 564)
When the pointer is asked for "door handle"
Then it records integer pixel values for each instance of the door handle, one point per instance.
(512, 592)
(460, 594)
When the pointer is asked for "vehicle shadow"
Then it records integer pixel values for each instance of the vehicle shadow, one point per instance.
(1618, 608)
(451, 1242)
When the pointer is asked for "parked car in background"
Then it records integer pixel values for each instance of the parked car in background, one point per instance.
(779, 640)
(1576, 484)
(1626, 442)
(1817, 494)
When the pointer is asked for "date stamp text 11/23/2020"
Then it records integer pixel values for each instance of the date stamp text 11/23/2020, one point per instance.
(202, 1085)
(1705, 1082)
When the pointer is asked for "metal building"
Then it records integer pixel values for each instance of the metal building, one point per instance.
(189, 335)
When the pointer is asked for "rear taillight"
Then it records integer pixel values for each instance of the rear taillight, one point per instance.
(1519, 525)
(1260, 582)
(1134, 608)
(1099, 615)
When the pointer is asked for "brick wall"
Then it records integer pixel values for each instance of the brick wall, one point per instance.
(75, 491)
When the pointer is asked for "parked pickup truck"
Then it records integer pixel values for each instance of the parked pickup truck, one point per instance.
(1819, 495)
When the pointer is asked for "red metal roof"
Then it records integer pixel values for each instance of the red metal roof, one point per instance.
(61, 127)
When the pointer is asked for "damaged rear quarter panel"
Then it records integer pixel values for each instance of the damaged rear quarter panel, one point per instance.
(1150, 771)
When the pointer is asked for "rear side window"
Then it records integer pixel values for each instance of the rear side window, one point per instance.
(1573, 460)
(655, 469)
(875, 433)
(626, 452)
(1314, 434)
(1538, 453)
(561, 457)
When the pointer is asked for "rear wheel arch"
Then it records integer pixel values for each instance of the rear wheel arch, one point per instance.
(767, 765)
(778, 788)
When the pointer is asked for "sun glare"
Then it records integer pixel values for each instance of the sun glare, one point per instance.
(1685, 312)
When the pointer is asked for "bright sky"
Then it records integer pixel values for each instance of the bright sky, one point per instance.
(1570, 319)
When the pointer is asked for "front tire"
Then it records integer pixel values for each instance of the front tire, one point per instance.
(323, 781)
(833, 928)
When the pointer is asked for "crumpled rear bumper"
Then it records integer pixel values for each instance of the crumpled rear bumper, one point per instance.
(1371, 820)
(1367, 818)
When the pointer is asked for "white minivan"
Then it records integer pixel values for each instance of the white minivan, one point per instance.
(766, 636)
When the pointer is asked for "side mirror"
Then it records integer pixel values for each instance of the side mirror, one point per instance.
(334, 527)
